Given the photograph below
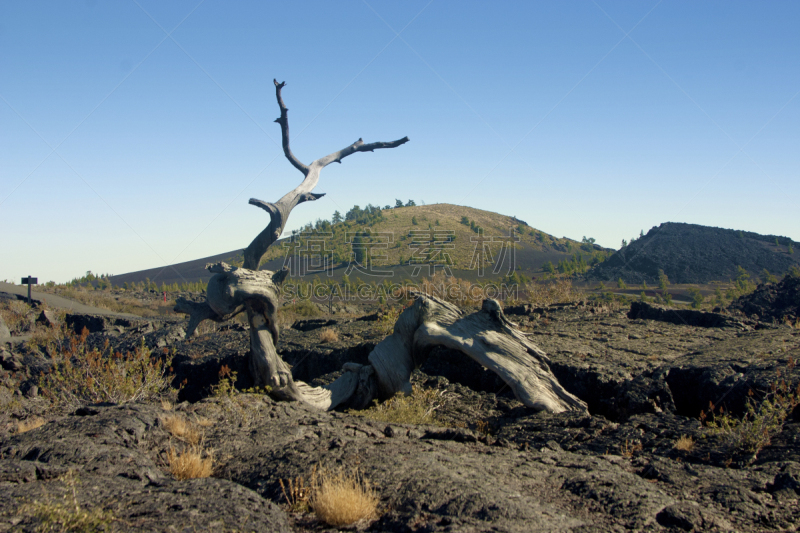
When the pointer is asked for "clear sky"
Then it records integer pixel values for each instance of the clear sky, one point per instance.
(132, 133)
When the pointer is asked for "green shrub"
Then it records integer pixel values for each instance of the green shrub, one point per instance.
(80, 376)
(303, 308)
(696, 297)
(719, 299)
(663, 280)
(767, 277)
(762, 419)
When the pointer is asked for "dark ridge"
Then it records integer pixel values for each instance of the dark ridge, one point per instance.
(690, 253)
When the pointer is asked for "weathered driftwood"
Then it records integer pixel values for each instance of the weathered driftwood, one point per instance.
(486, 336)
(232, 291)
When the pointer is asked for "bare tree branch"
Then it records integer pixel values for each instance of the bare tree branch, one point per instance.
(197, 311)
(283, 120)
(357, 146)
(279, 211)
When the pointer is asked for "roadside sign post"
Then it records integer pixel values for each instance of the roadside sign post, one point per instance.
(30, 281)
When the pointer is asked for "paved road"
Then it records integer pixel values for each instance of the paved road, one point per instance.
(62, 303)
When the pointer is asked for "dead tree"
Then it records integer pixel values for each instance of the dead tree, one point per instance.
(485, 336)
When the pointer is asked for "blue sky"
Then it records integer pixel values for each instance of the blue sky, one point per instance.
(132, 134)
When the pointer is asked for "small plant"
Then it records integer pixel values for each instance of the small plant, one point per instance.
(298, 493)
(762, 419)
(191, 463)
(663, 280)
(684, 444)
(630, 448)
(387, 320)
(328, 335)
(69, 515)
(696, 297)
(17, 315)
(767, 277)
(482, 427)
(742, 284)
(225, 387)
(419, 407)
(621, 284)
(81, 376)
(719, 299)
(339, 498)
(182, 429)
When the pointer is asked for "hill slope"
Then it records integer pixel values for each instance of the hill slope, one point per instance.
(399, 236)
(690, 253)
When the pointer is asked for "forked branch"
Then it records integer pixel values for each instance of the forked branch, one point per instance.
(279, 211)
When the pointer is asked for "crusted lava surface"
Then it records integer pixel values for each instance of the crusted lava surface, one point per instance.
(488, 464)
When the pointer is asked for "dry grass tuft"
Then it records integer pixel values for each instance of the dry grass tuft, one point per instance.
(29, 424)
(166, 405)
(630, 448)
(182, 429)
(684, 444)
(191, 463)
(204, 422)
(419, 407)
(328, 335)
(559, 291)
(118, 303)
(340, 498)
(67, 516)
(17, 315)
(297, 493)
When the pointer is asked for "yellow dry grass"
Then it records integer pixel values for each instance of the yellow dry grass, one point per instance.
(684, 444)
(191, 463)
(67, 514)
(339, 498)
(559, 291)
(328, 335)
(182, 429)
(29, 424)
(204, 422)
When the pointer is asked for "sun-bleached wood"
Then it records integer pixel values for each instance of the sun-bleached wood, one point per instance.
(486, 336)
(232, 291)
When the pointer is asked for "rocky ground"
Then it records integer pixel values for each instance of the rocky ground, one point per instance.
(641, 461)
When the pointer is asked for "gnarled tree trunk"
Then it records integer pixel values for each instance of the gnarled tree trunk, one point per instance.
(234, 290)
(485, 336)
